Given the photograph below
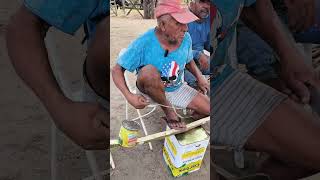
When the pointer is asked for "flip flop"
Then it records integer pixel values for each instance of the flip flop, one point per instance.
(171, 123)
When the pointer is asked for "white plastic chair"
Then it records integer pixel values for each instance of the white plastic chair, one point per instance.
(152, 108)
(57, 69)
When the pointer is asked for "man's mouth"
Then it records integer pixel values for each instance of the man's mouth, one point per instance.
(204, 14)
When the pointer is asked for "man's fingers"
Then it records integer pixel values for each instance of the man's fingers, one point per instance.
(144, 101)
(103, 117)
(206, 65)
(301, 90)
(315, 82)
(204, 89)
(286, 91)
(295, 98)
(101, 122)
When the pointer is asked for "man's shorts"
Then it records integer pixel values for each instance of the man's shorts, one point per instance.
(180, 98)
(239, 105)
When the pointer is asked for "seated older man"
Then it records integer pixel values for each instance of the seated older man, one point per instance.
(159, 57)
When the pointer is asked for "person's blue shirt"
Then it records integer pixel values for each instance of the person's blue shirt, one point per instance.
(147, 50)
(200, 35)
(69, 15)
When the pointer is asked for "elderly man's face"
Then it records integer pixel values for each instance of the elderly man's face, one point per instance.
(201, 9)
(175, 31)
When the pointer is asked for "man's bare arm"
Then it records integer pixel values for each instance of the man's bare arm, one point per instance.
(192, 67)
(82, 122)
(27, 51)
(262, 18)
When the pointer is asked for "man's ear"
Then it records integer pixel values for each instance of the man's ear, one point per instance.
(162, 26)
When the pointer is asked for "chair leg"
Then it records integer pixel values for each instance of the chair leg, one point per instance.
(144, 128)
(93, 165)
(53, 151)
(112, 162)
(127, 116)
(184, 111)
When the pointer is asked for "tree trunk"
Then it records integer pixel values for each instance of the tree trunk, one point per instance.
(148, 9)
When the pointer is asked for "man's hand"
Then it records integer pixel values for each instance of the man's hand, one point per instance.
(281, 86)
(301, 14)
(203, 85)
(203, 61)
(298, 76)
(138, 101)
(86, 124)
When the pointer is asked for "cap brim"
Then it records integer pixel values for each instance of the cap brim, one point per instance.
(184, 16)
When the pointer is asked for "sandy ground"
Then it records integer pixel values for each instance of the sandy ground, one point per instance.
(138, 162)
(25, 124)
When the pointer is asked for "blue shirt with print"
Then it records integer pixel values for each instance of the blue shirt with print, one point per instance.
(200, 35)
(147, 50)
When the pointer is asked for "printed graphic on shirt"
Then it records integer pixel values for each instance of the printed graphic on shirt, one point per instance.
(171, 74)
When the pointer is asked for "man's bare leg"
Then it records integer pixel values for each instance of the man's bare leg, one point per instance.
(278, 170)
(289, 134)
(149, 82)
(201, 106)
(97, 65)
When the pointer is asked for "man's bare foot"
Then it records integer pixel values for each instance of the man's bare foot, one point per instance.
(176, 124)
(197, 116)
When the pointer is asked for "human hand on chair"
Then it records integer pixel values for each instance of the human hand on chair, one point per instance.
(138, 101)
(204, 62)
(203, 85)
(298, 76)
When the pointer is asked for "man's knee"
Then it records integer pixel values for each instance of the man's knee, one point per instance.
(201, 104)
(149, 78)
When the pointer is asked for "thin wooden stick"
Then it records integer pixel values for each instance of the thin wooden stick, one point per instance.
(162, 135)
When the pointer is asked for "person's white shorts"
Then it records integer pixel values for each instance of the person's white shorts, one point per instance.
(179, 98)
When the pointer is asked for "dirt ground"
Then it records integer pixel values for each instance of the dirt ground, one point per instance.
(25, 124)
(138, 162)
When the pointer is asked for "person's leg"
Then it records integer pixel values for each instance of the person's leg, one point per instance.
(289, 134)
(201, 106)
(97, 65)
(279, 170)
(149, 82)
(244, 108)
